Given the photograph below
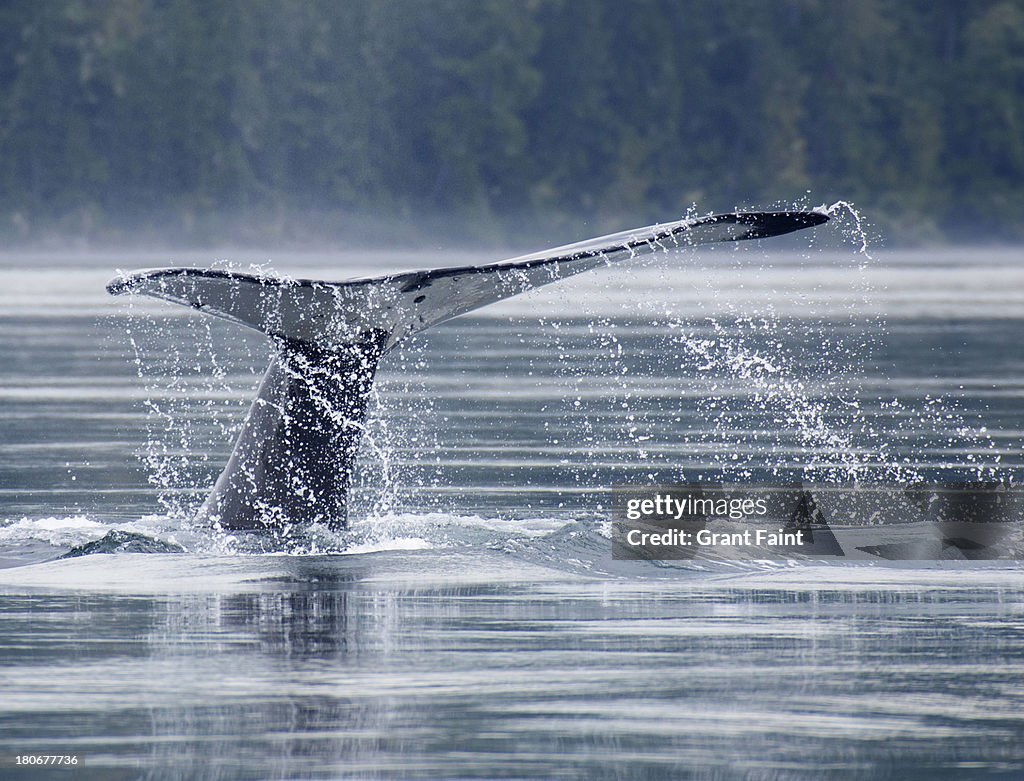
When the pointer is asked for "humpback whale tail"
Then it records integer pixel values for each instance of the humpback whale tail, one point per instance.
(294, 456)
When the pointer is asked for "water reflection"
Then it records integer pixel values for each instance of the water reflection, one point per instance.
(591, 680)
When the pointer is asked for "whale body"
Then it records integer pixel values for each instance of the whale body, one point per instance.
(293, 460)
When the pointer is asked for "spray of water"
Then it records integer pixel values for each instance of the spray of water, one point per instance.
(765, 396)
(775, 397)
(199, 375)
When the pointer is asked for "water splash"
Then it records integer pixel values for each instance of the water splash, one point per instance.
(780, 397)
(199, 375)
(399, 446)
(852, 225)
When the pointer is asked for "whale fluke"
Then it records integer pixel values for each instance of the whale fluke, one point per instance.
(293, 460)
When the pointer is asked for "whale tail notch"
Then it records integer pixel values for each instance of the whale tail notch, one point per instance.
(293, 459)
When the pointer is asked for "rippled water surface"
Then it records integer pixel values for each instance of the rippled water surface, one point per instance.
(472, 624)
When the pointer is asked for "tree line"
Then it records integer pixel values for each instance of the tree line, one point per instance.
(284, 120)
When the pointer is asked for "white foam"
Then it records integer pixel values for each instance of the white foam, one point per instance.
(72, 530)
(75, 530)
(399, 543)
(423, 523)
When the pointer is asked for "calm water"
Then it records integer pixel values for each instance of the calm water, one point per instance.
(472, 624)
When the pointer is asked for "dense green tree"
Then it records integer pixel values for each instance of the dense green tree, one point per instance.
(275, 119)
(986, 162)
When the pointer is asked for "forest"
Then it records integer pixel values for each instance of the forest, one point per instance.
(183, 122)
